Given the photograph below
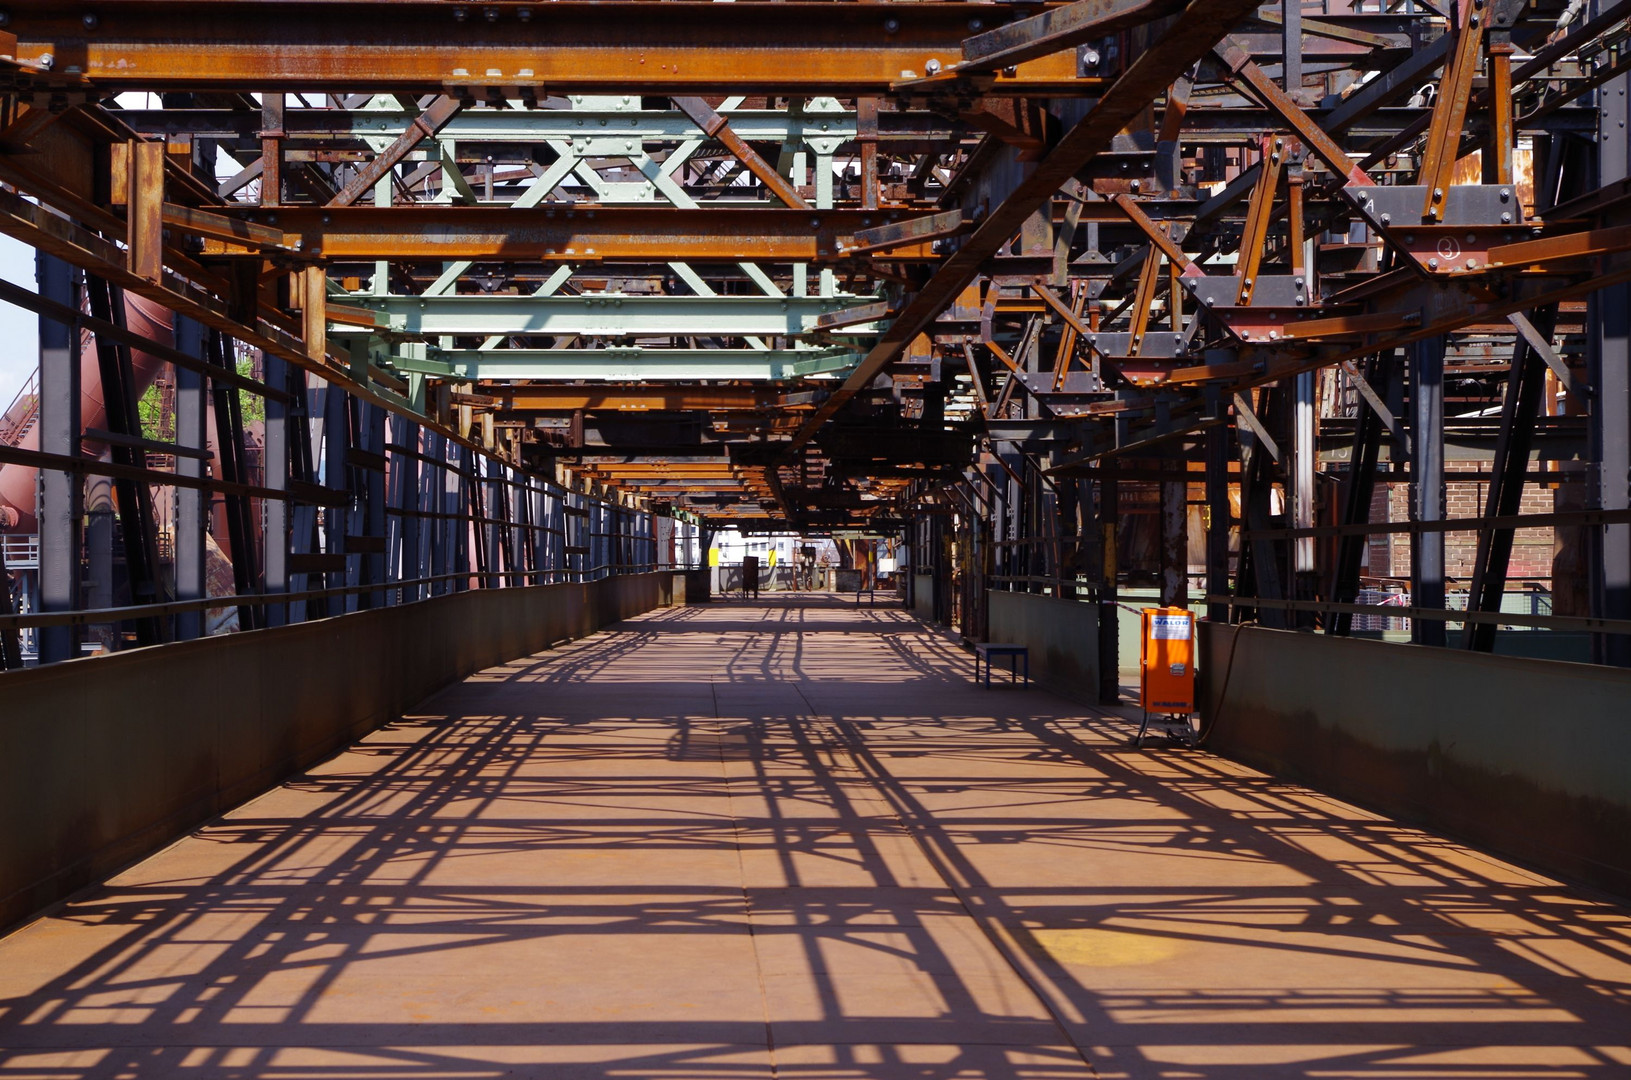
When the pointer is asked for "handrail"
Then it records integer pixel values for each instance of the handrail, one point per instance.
(101, 616)
(1490, 618)
(30, 391)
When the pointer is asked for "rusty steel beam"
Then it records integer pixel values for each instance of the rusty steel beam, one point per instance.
(640, 399)
(567, 234)
(717, 127)
(571, 46)
(661, 468)
(423, 127)
(1056, 29)
(1189, 37)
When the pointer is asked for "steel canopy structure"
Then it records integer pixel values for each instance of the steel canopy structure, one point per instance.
(1041, 288)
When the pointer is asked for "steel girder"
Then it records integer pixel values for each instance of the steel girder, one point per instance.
(564, 233)
(566, 46)
(630, 364)
(611, 315)
(589, 130)
(1086, 297)
(1017, 189)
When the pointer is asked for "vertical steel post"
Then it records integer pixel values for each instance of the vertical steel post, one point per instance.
(538, 493)
(1521, 406)
(272, 149)
(462, 492)
(1358, 489)
(866, 129)
(372, 437)
(492, 501)
(1109, 653)
(192, 504)
(1609, 438)
(1175, 542)
(1303, 462)
(98, 583)
(60, 490)
(1291, 13)
(232, 463)
(11, 642)
(138, 524)
(1427, 485)
(435, 500)
(408, 564)
(337, 477)
(1217, 509)
(1260, 567)
(305, 448)
(275, 512)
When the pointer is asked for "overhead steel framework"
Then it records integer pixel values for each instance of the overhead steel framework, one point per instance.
(1340, 287)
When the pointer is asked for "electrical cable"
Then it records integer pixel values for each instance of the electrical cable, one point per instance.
(1223, 691)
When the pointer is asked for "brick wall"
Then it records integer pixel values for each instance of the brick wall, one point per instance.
(1389, 556)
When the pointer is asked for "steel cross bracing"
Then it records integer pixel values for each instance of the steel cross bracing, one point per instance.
(1001, 276)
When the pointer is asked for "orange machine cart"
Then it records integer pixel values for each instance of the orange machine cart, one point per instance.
(1166, 670)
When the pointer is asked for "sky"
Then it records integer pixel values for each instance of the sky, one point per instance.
(19, 329)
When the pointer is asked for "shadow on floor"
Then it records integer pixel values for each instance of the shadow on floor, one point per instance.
(791, 839)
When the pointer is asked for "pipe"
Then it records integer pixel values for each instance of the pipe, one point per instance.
(17, 482)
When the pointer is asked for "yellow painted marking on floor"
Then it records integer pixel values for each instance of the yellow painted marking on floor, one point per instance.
(1104, 948)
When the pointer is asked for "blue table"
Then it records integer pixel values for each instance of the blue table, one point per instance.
(985, 650)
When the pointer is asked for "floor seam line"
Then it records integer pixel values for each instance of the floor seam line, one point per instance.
(747, 900)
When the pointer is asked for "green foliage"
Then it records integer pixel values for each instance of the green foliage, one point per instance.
(160, 424)
(155, 425)
(253, 406)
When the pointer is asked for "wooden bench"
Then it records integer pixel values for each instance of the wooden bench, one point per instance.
(985, 650)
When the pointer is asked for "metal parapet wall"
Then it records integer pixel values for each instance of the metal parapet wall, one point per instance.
(110, 759)
(1524, 756)
(1062, 636)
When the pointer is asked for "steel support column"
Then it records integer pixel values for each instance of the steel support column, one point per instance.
(60, 491)
(1109, 519)
(1526, 384)
(1291, 14)
(275, 512)
(1260, 567)
(371, 432)
(1358, 489)
(192, 504)
(1304, 462)
(1427, 485)
(1175, 543)
(337, 477)
(98, 569)
(1609, 367)
(232, 464)
(404, 564)
(1218, 513)
(137, 522)
(11, 646)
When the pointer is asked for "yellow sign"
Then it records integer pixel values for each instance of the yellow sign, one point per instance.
(713, 556)
(772, 556)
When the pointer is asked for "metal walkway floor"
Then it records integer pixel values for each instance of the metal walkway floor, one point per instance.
(789, 839)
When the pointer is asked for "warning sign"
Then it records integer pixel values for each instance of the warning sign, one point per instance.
(1171, 627)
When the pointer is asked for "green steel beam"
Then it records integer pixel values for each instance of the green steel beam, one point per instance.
(604, 129)
(607, 132)
(607, 315)
(628, 365)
